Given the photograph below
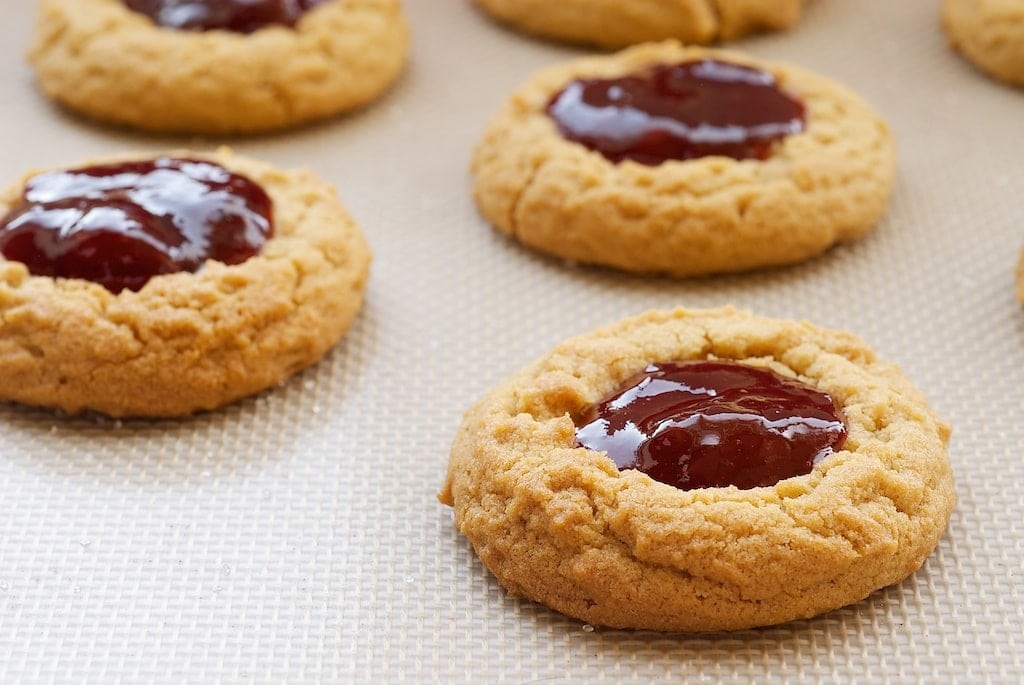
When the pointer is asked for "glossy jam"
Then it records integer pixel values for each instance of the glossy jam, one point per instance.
(240, 16)
(119, 225)
(714, 424)
(681, 111)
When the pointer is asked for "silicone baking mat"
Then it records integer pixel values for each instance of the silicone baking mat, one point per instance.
(295, 537)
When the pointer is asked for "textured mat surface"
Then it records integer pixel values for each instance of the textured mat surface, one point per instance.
(295, 537)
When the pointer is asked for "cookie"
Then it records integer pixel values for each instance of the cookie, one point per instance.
(561, 524)
(613, 24)
(116, 65)
(990, 33)
(825, 180)
(1020, 278)
(174, 343)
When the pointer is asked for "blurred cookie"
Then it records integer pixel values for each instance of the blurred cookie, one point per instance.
(1020, 278)
(702, 470)
(616, 24)
(163, 286)
(683, 161)
(216, 67)
(990, 33)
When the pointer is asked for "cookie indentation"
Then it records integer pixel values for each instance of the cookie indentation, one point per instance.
(240, 16)
(679, 111)
(711, 424)
(120, 225)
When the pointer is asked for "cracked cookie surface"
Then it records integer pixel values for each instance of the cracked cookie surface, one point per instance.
(560, 525)
(188, 342)
(114, 65)
(990, 33)
(616, 24)
(714, 214)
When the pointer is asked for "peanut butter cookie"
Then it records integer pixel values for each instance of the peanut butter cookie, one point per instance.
(613, 160)
(163, 286)
(614, 24)
(990, 33)
(1020, 277)
(729, 537)
(116, 64)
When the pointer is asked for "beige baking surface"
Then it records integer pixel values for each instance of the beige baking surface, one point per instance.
(295, 537)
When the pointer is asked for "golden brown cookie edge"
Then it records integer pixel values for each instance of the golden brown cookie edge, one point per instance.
(614, 25)
(109, 64)
(189, 342)
(544, 540)
(693, 218)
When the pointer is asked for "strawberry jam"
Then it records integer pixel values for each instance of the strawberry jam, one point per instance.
(712, 424)
(240, 16)
(679, 112)
(121, 224)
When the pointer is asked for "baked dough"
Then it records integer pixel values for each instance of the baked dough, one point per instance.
(559, 524)
(616, 24)
(188, 341)
(1020, 277)
(105, 61)
(990, 33)
(684, 218)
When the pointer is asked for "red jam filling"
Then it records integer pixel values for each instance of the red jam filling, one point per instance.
(240, 16)
(681, 111)
(713, 424)
(121, 224)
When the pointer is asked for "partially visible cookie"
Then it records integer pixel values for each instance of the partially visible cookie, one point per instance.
(115, 65)
(1020, 278)
(990, 33)
(616, 24)
(563, 525)
(186, 341)
(822, 182)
